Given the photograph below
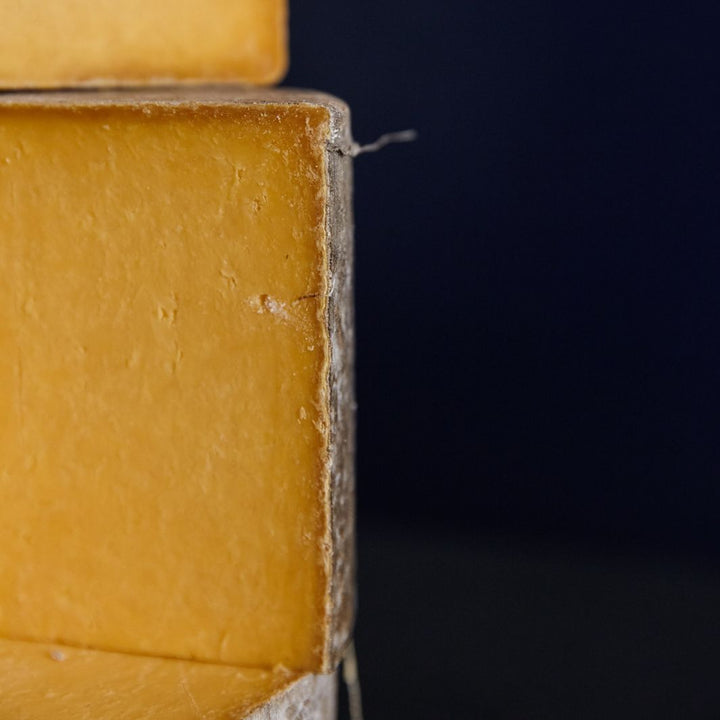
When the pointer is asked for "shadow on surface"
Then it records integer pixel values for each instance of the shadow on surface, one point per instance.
(501, 629)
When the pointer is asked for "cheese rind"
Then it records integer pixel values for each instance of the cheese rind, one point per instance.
(72, 42)
(39, 681)
(176, 375)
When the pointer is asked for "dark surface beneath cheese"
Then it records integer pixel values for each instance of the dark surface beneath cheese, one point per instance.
(501, 629)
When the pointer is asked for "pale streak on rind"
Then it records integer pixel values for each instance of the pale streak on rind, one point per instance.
(312, 697)
(340, 476)
(340, 323)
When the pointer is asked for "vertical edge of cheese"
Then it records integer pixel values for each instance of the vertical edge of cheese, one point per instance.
(339, 222)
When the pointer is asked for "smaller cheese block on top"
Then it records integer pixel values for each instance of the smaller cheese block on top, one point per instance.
(60, 43)
(176, 374)
(52, 682)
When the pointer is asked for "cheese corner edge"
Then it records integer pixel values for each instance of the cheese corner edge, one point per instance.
(341, 388)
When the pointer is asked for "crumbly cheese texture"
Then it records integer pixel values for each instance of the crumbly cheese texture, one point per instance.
(164, 357)
(39, 681)
(70, 42)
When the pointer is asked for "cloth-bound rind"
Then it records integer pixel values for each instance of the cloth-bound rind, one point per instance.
(312, 697)
(339, 228)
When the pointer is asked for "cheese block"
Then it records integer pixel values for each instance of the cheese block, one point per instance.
(176, 443)
(75, 42)
(50, 682)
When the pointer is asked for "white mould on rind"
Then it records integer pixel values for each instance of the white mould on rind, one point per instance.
(312, 697)
(339, 224)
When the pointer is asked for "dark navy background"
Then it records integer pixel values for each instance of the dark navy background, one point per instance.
(538, 305)
(538, 277)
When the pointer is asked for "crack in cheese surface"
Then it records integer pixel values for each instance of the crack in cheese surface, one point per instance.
(47, 681)
(163, 379)
(70, 42)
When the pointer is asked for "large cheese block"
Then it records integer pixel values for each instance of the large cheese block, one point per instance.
(59, 43)
(50, 682)
(176, 374)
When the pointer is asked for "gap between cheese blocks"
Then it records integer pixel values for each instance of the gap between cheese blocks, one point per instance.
(51, 681)
(176, 374)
